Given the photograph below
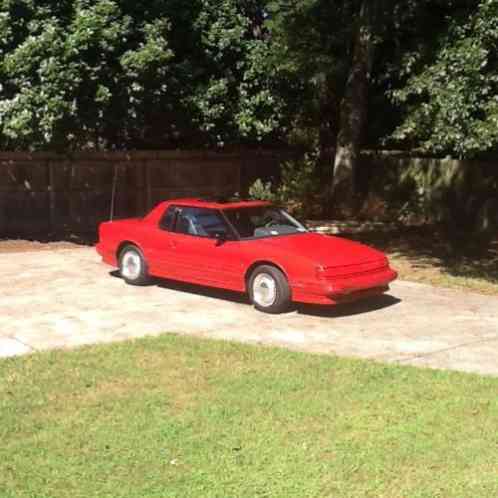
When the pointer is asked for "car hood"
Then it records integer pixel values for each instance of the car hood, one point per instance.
(326, 250)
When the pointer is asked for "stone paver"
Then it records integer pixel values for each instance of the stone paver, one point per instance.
(68, 298)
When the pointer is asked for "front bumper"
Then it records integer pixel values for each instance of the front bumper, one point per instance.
(344, 289)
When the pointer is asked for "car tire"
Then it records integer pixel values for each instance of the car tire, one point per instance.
(132, 266)
(269, 290)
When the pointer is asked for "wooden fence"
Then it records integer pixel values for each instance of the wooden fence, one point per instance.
(462, 194)
(43, 193)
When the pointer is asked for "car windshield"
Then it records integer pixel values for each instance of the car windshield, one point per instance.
(265, 221)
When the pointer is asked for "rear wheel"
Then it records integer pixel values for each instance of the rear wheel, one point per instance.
(132, 266)
(269, 290)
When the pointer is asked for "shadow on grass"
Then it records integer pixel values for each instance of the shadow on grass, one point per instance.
(361, 307)
(430, 248)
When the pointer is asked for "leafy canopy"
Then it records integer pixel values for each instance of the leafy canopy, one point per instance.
(451, 105)
(121, 73)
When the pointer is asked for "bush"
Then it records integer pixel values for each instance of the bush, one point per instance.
(300, 189)
(262, 191)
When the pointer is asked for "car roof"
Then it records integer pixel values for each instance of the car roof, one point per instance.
(156, 213)
(222, 204)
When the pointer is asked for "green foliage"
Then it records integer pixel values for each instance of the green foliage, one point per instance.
(116, 73)
(301, 186)
(120, 74)
(262, 191)
(299, 189)
(311, 47)
(450, 104)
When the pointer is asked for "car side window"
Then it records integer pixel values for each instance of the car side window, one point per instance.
(168, 219)
(201, 223)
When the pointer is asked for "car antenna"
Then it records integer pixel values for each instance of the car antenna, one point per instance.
(113, 194)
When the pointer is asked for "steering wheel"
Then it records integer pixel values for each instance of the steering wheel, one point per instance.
(270, 223)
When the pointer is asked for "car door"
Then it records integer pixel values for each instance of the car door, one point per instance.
(205, 249)
(160, 253)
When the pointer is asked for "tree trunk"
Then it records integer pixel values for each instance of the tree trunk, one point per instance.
(353, 113)
(327, 132)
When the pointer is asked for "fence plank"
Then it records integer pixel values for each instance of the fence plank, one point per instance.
(52, 194)
(148, 185)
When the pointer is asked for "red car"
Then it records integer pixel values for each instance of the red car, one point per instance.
(250, 246)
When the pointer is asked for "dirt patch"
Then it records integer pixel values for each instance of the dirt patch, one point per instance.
(20, 245)
(428, 254)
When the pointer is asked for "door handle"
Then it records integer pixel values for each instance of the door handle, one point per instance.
(172, 244)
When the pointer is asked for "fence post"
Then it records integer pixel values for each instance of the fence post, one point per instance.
(139, 188)
(52, 195)
(148, 185)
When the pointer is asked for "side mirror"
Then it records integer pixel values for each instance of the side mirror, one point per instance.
(220, 237)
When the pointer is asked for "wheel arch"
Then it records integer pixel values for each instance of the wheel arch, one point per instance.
(125, 243)
(254, 265)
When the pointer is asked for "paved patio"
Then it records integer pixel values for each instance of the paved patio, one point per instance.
(67, 298)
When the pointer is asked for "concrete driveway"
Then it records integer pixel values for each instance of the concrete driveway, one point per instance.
(67, 298)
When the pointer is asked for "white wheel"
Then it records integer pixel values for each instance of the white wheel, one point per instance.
(264, 290)
(132, 266)
(269, 289)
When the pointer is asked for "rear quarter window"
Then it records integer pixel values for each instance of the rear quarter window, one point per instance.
(167, 219)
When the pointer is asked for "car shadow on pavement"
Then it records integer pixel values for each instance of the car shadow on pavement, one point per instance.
(361, 307)
(199, 290)
(341, 310)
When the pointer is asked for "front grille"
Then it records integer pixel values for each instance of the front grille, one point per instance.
(357, 270)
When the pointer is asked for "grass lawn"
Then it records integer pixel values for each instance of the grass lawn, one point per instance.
(181, 417)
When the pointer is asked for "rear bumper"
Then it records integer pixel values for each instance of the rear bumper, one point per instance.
(108, 255)
(342, 290)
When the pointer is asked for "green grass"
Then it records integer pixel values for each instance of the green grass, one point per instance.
(180, 417)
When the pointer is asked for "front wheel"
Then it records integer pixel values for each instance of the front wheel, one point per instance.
(132, 266)
(269, 290)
